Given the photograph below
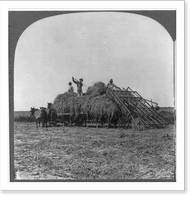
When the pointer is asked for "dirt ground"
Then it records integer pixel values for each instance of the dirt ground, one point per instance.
(81, 153)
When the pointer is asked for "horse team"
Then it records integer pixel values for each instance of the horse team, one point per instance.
(49, 117)
(44, 115)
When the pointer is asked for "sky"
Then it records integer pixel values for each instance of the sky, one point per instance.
(133, 50)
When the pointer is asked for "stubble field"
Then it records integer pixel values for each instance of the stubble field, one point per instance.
(81, 153)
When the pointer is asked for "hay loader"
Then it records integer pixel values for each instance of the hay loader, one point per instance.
(136, 110)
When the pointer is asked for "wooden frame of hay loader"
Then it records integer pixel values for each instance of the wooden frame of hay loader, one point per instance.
(141, 112)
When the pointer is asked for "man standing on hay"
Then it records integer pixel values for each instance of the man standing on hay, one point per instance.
(79, 86)
(112, 86)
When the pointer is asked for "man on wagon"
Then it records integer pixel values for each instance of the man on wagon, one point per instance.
(70, 88)
(79, 86)
(112, 86)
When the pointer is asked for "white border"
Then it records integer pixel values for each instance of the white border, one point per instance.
(5, 184)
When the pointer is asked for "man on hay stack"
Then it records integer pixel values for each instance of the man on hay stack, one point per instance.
(70, 88)
(79, 86)
(112, 86)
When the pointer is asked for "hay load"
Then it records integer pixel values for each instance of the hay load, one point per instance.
(114, 107)
(95, 103)
(61, 102)
(97, 89)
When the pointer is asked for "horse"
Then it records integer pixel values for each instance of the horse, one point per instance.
(40, 116)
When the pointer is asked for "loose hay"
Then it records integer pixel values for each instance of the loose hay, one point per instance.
(95, 103)
(97, 89)
(61, 102)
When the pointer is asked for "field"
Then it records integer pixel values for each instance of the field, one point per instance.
(81, 153)
(21, 113)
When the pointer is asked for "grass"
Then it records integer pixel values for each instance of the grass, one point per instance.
(23, 116)
(21, 113)
(168, 116)
(80, 153)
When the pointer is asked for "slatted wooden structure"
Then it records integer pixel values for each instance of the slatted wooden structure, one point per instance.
(133, 106)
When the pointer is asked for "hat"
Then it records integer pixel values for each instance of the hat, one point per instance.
(81, 79)
(70, 83)
(111, 80)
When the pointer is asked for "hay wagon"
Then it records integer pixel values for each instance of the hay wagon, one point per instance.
(102, 105)
(70, 119)
(64, 119)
